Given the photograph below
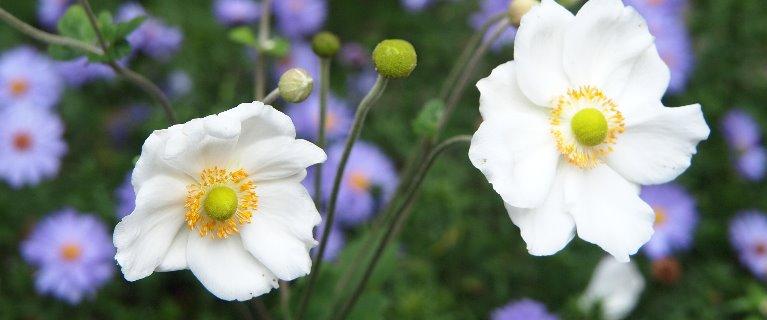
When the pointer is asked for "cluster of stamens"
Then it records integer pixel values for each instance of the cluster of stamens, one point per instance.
(207, 212)
(585, 124)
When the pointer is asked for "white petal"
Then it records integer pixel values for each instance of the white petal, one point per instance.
(142, 239)
(203, 143)
(548, 228)
(603, 43)
(279, 157)
(226, 269)
(175, 258)
(608, 211)
(151, 162)
(513, 147)
(538, 50)
(658, 143)
(617, 286)
(260, 121)
(647, 81)
(277, 248)
(288, 203)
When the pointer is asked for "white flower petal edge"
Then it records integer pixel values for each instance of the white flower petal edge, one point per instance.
(266, 234)
(616, 286)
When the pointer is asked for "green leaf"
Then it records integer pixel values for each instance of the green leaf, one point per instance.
(276, 47)
(425, 124)
(243, 35)
(74, 24)
(125, 28)
(63, 53)
(107, 27)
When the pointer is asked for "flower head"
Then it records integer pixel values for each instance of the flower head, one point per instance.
(72, 254)
(31, 145)
(80, 71)
(29, 78)
(748, 235)
(235, 12)
(222, 196)
(416, 5)
(616, 287)
(751, 164)
(306, 116)
(299, 18)
(49, 11)
(741, 131)
(574, 125)
(153, 37)
(295, 85)
(525, 309)
(675, 219)
(179, 84)
(126, 198)
(487, 10)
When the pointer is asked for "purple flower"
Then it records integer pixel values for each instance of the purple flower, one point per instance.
(487, 10)
(741, 130)
(73, 254)
(80, 71)
(361, 82)
(178, 84)
(336, 241)
(525, 309)
(675, 7)
(28, 78)
(236, 12)
(368, 182)
(355, 55)
(416, 5)
(675, 219)
(31, 145)
(120, 123)
(299, 18)
(153, 37)
(49, 11)
(748, 235)
(126, 197)
(301, 56)
(306, 117)
(751, 164)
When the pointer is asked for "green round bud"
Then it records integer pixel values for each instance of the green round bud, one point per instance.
(395, 58)
(325, 44)
(518, 8)
(295, 85)
(221, 203)
(589, 127)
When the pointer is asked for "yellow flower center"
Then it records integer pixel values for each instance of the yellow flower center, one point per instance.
(70, 252)
(220, 202)
(359, 181)
(585, 124)
(660, 216)
(19, 87)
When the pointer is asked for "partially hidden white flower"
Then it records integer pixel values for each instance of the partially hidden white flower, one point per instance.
(616, 287)
(575, 124)
(222, 196)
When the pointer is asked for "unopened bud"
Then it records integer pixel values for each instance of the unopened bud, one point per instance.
(518, 8)
(295, 85)
(394, 58)
(325, 44)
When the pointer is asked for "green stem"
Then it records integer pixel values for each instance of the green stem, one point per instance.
(400, 215)
(285, 299)
(46, 37)
(263, 37)
(324, 90)
(272, 96)
(359, 120)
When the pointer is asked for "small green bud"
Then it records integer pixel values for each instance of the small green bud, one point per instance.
(395, 58)
(589, 127)
(221, 203)
(295, 85)
(518, 8)
(325, 44)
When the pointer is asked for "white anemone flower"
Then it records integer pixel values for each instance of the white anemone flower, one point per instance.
(616, 286)
(575, 124)
(222, 196)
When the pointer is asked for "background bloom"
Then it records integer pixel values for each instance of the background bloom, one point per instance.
(336, 241)
(126, 198)
(234, 12)
(72, 253)
(306, 116)
(748, 235)
(80, 71)
(416, 5)
(487, 10)
(153, 37)
(741, 131)
(49, 11)
(300, 18)
(616, 287)
(525, 309)
(675, 219)
(28, 78)
(31, 145)
(751, 164)
(300, 56)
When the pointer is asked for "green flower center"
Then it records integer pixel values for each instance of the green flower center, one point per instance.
(589, 127)
(221, 203)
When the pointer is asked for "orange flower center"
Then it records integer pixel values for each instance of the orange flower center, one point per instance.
(660, 216)
(19, 87)
(70, 252)
(359, 181)
(211, 211)
(22, 141)
(761, 249)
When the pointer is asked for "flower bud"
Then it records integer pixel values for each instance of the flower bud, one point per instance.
(325, 44)
(518, 8)
(295, 85)
(394, 58)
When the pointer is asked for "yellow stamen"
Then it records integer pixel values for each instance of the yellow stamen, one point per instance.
(70, 252)
(660, 216)
(359, 181)
(19, 87)
(233, 201)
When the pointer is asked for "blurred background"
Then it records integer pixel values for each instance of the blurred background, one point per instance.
(65, 165)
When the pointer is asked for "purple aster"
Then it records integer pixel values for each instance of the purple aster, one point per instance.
(306, 117)
(336, 241)
(80, 71)
(126, 197)
(751, 164)
(525, 309)
(741, 131)
(28, 78)
(355, 55)
(416, 5)
(299, 18)
(748, 235)
(487, 10)
(153, 37)
(675, 219)
(368, 182)
(49, 11)
(31, 145)
(178, 84)
(675, 7)
(123, 121)
(236, 12)
(73, 254)
(300, 56)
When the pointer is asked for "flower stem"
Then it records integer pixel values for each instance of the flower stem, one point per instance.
(400, 215)
(46, 37)
(263, 36)
(285, 300)
(359, 120)
(271, 96)
(324, 89)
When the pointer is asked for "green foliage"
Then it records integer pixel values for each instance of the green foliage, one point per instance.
(75, 24)
(425, 124)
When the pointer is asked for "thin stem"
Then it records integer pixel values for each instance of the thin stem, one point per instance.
(263, 37)
(285, 300)
(324, 89)
(401, 214)
(46, 37)
(272, 96)
(263, 312)
(359, 120)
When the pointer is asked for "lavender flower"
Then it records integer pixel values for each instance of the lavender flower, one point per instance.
(416, 5)
(487, 10)
(31, 145)
(751, 164)
(675, 219)
(178, 84)
(673, 7)
(306, 115)
(300, 18)
(748, 235)
(301, 56)
(361, 82)
(126, 197)
(354, 55)
(73, 254)
(525, 309)
(80, 71)
(49, 11)
(153, 37)
(336, 241)
(741, 131)
(121, 122)
(236, 12)
(28, 78)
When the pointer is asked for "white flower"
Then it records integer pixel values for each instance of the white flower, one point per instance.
(222, 197)
(616, 286)
(574, 125)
